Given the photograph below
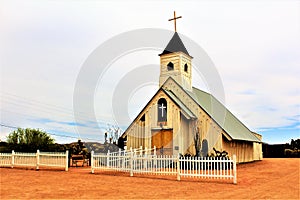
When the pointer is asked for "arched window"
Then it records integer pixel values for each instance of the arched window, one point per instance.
(162, 110)
(170, 66)
(186, 68)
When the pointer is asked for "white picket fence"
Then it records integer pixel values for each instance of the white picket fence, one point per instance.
(47, 159)
(133, 162)
(138, 151)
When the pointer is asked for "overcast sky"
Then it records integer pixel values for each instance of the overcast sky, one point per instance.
(254, 45)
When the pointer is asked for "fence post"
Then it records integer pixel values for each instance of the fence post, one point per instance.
(178, 168)
(155, 159)
(146, 158)
(119, 159)
(154, 150)
(234, 170)
(131, 163)
(107, 158)
(12, 158)
(67, 160)
(92, 162)
(37, 159)
(141, 152)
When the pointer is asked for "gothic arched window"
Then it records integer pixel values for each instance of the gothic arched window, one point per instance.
(162, 110)
(186, 68)
(170, 66)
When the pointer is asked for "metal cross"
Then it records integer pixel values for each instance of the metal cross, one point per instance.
(175, 20)
(162, 109)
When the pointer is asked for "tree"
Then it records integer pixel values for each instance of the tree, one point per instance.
(295, 144)
(29, 140)
(197, 138)
(197, 142)
(114, 133)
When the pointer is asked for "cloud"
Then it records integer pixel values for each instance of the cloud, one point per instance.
(247, 92)
(257, 57)
(282, 134)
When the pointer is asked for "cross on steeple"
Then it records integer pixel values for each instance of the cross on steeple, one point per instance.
(175, 20)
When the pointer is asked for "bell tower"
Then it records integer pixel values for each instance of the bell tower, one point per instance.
(176, 62)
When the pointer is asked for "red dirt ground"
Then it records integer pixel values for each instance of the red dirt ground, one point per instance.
(267, 179)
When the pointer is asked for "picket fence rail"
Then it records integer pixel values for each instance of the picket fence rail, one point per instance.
(48, 159)
(133, 162)
(137, 151)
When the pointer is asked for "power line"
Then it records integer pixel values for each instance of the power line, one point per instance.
(20, 101)
(70, 129)
(66, 136)
(26, 116)
(62, 115)
(37, 106)
(7, 126)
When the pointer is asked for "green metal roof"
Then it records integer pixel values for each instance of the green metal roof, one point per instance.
(232, 125)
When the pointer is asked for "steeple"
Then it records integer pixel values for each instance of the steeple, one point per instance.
(175, 45)
(176, 62)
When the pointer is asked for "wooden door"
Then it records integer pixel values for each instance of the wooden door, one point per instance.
(163, 141)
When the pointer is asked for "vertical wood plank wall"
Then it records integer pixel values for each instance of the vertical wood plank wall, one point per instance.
(242, 149)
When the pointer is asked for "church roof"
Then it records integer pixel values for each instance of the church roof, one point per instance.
(232, 126)
(228, 122)
(175, 45)
(185, 111)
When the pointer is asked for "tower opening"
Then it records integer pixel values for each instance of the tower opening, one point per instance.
(186, 67)
(170, 66)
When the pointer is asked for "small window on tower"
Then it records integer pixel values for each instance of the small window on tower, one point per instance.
(186, 68)
(170, 66)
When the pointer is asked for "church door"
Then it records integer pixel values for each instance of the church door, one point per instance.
(163, 141)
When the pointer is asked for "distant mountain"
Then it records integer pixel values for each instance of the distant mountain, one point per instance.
(100, 148)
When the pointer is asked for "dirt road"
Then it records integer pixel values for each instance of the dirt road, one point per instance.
(268, 179)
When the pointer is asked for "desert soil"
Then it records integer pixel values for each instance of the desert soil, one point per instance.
(267, 179)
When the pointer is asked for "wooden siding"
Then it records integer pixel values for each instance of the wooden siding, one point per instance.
(257, 151)
(140, 133)
(242, 149)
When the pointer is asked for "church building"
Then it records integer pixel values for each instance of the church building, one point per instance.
(179, 118)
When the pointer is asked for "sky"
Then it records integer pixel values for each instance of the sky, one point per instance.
(254, 45)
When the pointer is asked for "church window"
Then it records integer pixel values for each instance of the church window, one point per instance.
(162, 110)
(186, 68)
(170, 66)
(143, 118)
